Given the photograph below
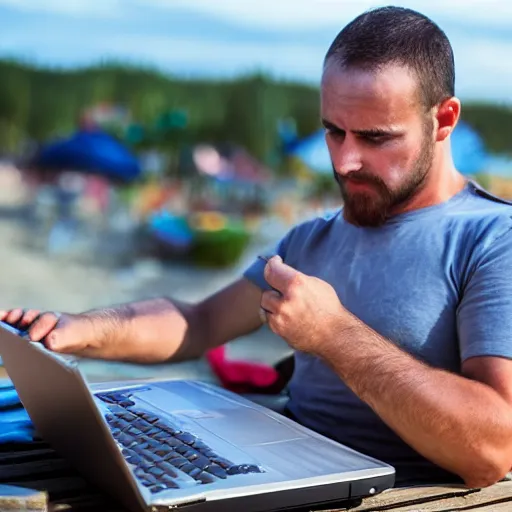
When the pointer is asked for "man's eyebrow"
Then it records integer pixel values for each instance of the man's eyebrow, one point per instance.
(372, 132)
(378, 132)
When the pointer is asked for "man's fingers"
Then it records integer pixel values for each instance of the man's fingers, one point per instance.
(13, 316)
(270, 301)
(28, 318)
(279, 275)
(43, 326)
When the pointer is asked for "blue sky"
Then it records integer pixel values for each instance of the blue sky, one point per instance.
(219, 38)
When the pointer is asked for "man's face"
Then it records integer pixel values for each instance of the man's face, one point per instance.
(380, 139)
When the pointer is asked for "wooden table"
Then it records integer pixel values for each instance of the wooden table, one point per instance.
(37, 466)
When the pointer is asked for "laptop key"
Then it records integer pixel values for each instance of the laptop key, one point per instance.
(172, 456)
(216, 471)
(193, 455)
(179, 462)
(206, 478)
(223, 463)
(194, 472)
(209, 453)
(153, 443)
(157, 488)
(173, 443)
(200, 446)
(133, 431)
(121, 424)
(142, 425)
(156, 471)
(152, 431)
(150, 418)
(134, 459)
(161, 436)
(125, 439)
(167, 468)
(104, 398)
(169, 482)
(153, 457)
(167, 428)
(188, 468)
(163, 451)
(185, 437)
(182, 450)
(201, 462)
(243, 469)
(126, 416)
(119, 399)
(141, 448)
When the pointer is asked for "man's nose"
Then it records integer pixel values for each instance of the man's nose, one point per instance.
(346, 158)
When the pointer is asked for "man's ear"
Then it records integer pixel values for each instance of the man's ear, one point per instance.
(447, 115)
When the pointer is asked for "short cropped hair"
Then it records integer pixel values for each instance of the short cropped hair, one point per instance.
(396, 35)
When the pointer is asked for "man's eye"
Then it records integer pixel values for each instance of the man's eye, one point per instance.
(376, 139)
(336, 133)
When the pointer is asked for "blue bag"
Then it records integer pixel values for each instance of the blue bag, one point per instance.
(15, 424)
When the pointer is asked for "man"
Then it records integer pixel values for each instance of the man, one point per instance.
(399, 306)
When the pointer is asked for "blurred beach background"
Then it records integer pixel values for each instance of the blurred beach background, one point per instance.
(154, 148)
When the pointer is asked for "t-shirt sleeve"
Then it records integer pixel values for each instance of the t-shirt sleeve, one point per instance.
(484, 319)
(254, 272)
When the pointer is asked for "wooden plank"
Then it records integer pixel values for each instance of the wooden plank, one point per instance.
(440, 499)
(15, 498)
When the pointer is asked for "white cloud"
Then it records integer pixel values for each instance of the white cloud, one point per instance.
(222, 58)
(482, 68)
(94, 8)
(286, 14)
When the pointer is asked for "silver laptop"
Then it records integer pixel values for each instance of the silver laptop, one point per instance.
(187, 445)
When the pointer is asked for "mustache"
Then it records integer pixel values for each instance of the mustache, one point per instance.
(357, 177)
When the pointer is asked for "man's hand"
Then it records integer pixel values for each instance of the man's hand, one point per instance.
(64, 333)
(303, 310)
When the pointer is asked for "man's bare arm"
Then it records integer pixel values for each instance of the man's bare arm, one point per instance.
(462, 423)
(150, 331)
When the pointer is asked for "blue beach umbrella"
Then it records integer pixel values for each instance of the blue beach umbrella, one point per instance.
(92, 152)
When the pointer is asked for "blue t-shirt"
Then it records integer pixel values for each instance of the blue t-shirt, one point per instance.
(436, 281)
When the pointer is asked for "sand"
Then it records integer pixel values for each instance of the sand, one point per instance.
(31, 278)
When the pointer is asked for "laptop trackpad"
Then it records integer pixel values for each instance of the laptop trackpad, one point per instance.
(224, 417)
(248, 427)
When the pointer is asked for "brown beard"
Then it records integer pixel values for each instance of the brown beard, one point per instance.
(373, 210)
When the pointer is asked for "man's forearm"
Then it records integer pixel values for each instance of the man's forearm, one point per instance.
(460, 424)
(151, 331)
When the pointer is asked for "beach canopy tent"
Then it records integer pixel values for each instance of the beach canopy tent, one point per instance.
(89, 151)
(468, 151)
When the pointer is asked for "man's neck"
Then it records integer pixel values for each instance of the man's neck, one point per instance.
(440, 185)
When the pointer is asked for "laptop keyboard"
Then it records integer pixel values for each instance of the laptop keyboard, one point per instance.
(163, 455)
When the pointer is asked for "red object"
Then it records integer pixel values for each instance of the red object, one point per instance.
(244, 376)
